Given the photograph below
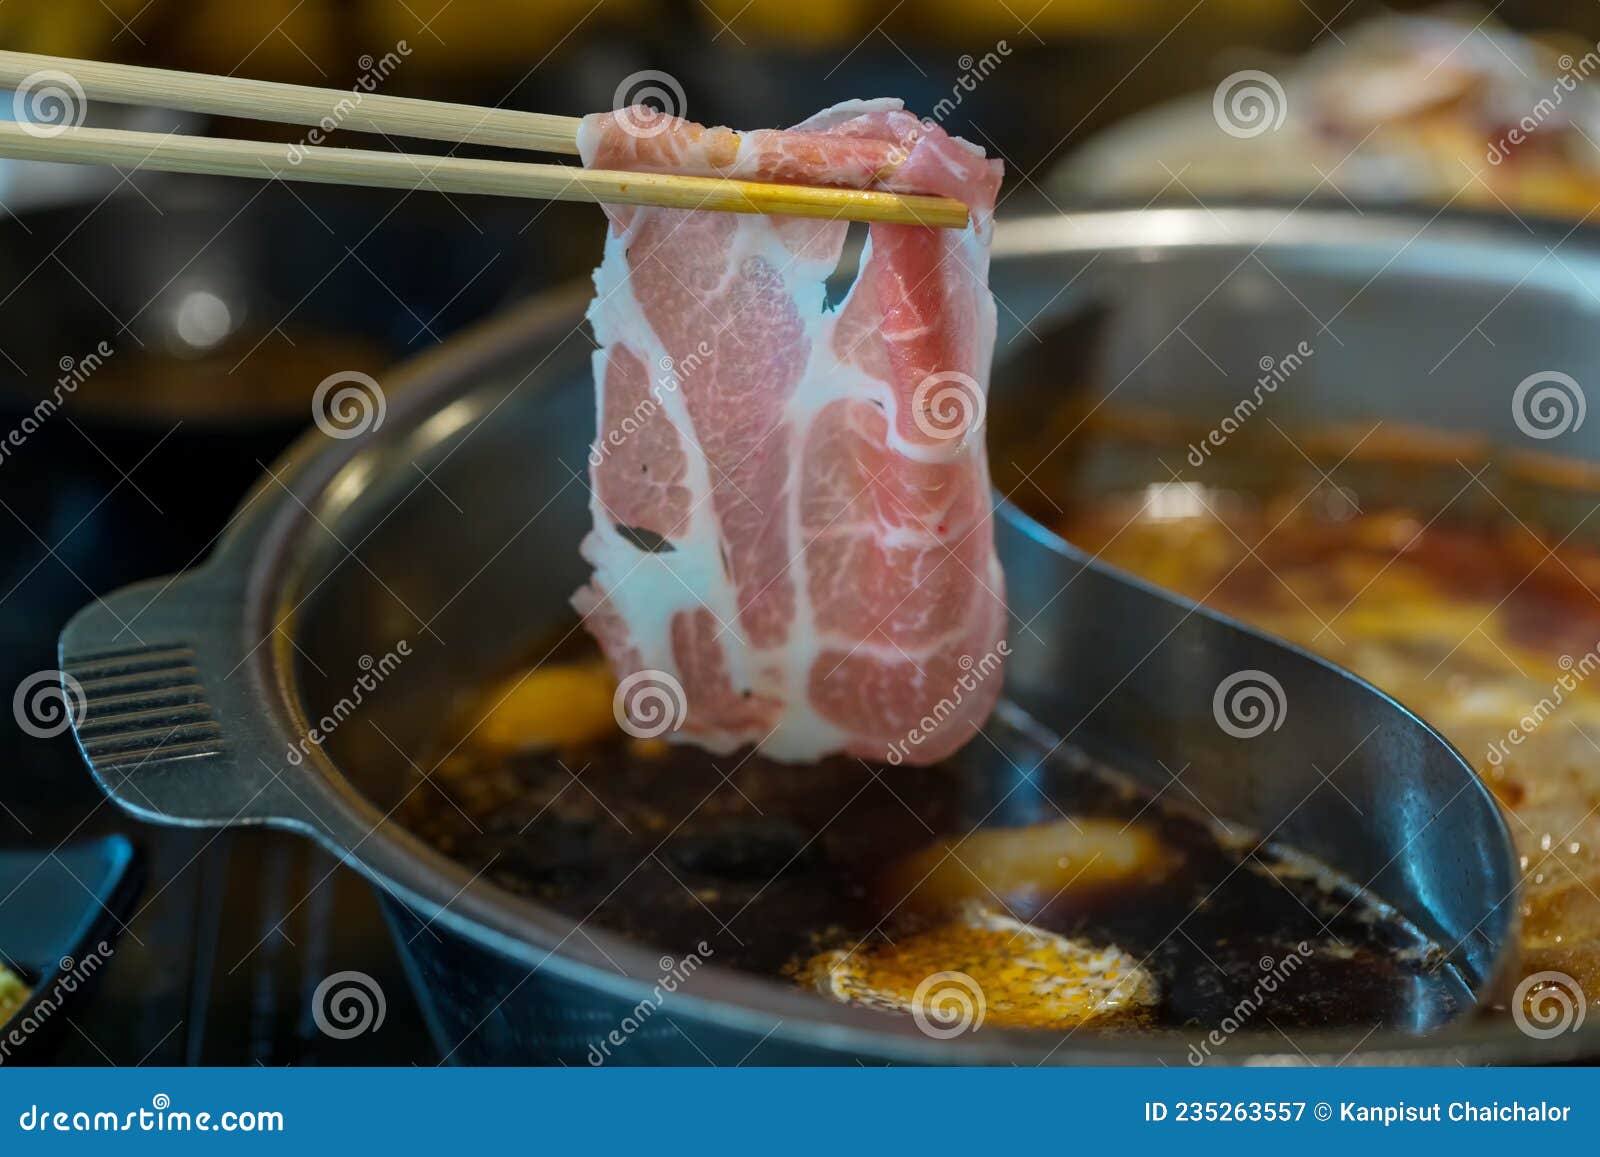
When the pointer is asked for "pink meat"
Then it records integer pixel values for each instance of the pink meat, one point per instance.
(791, 504)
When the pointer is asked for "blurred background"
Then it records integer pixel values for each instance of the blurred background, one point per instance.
(223, 304)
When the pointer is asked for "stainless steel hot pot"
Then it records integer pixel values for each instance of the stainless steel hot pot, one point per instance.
(453, 527)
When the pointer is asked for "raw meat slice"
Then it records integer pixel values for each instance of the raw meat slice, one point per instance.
(792, 524)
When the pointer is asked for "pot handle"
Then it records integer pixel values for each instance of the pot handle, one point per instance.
(165, 708)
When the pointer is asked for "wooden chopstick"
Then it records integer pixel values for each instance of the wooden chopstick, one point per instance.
(262, 160)
(294, 104)
(405, 116)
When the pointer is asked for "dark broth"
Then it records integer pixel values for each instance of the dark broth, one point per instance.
(771, 864)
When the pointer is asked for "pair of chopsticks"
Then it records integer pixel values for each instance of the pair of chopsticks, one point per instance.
(400, 116)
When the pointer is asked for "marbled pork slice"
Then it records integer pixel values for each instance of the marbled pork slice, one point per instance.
(792, 520)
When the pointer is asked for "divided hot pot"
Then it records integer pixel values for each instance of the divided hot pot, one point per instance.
(375, 581)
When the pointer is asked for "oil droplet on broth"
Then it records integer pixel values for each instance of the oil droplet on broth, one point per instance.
(981, 967)
(951, 952)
